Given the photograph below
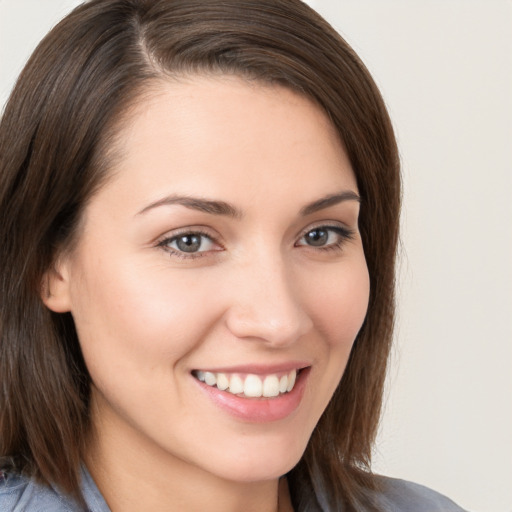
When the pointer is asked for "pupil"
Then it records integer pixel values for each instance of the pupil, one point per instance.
(317, 237)
(189, 243)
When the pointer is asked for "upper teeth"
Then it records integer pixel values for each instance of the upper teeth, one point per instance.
(252, 385)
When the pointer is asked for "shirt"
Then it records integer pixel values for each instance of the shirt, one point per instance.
(21, 494)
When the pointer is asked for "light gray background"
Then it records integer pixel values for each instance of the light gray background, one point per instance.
(445, 69)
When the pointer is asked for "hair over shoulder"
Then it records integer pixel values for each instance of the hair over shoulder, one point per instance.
(57, 136)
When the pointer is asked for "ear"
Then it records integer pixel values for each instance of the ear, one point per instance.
(55, 289)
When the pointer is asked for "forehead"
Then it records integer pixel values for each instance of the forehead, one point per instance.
(228, 136)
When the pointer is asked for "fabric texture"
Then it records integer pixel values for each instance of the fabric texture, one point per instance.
(403, 496)
(20, 494)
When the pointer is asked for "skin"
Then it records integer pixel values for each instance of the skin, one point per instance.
(257, 292)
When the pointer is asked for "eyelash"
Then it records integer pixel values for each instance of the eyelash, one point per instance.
(164, 244)
(343, 233)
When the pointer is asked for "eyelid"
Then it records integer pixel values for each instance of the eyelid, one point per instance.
(337, 226)
(170, 237)
(346, 233)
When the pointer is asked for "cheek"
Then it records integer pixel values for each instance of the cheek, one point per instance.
(341, 302)
(139, 320)
(339, 308)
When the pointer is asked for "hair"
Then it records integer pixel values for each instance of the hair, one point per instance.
(56, 138)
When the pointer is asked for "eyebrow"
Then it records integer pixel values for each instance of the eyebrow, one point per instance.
(330, 200)
(197, 203)
(222, 208)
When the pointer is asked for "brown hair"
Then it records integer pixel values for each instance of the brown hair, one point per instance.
(55, 136)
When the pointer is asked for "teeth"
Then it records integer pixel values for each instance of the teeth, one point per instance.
(271, 386)
(283, 384)
(253, 386)
(210, 378)
(291, 380)
(236, 385)
(222, 381)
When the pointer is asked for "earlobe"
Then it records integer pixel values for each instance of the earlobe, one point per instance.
(55, 289)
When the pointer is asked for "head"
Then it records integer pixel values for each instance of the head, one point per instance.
(61, 145)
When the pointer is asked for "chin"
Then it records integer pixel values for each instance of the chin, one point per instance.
(246, 472)
(260, 461)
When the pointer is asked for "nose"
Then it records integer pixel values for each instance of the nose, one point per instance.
(265, 304)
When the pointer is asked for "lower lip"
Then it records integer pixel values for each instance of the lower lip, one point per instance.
(259, 410)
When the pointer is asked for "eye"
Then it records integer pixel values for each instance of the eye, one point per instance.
(189, 244)
(325, 237)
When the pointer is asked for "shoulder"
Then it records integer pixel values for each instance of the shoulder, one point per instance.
(396, 495)
(22, 494)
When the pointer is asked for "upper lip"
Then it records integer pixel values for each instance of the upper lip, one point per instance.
(258, 369)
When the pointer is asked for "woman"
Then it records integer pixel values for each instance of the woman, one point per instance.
(199, 206)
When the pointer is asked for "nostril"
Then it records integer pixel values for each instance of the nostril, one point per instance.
(277, 325)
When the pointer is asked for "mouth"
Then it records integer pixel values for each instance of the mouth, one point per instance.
(255, 394)
(250, 385)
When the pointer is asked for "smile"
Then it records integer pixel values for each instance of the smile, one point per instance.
(249, 385)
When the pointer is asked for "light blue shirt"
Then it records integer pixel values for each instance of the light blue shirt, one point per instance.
(20, 494)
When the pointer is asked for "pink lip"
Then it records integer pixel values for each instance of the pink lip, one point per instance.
(260, 369)
(258, 410)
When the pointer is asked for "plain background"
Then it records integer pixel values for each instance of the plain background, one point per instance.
(445, 70)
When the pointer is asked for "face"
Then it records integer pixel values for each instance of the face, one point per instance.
(219, 280)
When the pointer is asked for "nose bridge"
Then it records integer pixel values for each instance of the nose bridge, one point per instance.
(265, 304)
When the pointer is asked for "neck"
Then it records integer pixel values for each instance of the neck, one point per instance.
(133, 475)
